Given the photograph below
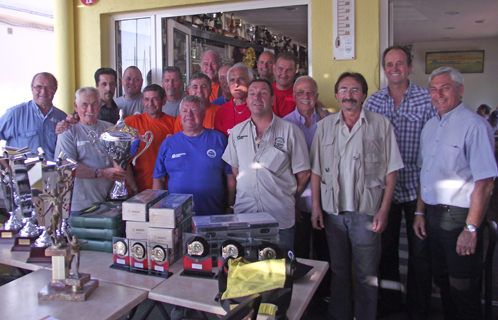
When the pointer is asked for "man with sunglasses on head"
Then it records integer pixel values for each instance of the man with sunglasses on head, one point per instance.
(32, 124)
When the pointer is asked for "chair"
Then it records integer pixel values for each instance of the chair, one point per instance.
(488, 268)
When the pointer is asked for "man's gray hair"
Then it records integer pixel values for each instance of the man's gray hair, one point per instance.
(213, 52)
(172, 69)
(229, 64)
(241, 65)
(191, 98)
(455, 75)
(305, 78)
(87, 90)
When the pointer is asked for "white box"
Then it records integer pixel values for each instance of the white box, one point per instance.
(137, 207)
(137, 230)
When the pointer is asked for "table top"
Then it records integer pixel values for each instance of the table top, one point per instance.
(108, 301)
(198, 293)
(18, 258)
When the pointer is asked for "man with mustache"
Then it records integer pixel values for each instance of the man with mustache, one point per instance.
(270, 161)
(265, 66)
(131, 101)
(105, 82)
(408, 107)
(227, 96)
(354, 162)
(172, 83)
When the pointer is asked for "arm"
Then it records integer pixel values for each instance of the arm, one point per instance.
(231, 186)
(302, 180)
(130, 180)
(466, 243)
(158, 184)
(112, 174)
(380, 218)
(316, 209)
(66, 124)
(419, 221)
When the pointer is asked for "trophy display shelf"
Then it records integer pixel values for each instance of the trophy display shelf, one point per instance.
(65, 286)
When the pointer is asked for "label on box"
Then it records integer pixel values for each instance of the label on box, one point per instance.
(120, 261)
(197, 266)
(138, 265)
(159, 268)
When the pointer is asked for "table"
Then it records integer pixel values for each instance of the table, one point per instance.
(18, 258)
(108, 301)
(199, 293)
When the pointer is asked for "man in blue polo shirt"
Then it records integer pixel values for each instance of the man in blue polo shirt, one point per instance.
(32, 124)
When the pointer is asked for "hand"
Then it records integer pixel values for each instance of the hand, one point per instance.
(317, 219)
(380, 221)
(229, 210)
(113, 174)
(73, 118)
(299, 216)
(419, 226)
(62, 126)
(466, 243)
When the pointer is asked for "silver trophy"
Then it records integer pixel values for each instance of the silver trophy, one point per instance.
(120, 142)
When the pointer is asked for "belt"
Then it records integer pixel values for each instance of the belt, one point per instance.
(446, 208)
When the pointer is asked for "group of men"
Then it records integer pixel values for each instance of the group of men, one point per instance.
(242, 145)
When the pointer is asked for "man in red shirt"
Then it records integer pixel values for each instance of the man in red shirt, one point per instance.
(235, 111)
(285, 68)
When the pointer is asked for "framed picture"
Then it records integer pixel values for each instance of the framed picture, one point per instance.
(463, 61)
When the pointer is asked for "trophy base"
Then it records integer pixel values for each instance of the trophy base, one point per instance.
(7, 236)
(37, 255)
(76, 289)
(23, 243)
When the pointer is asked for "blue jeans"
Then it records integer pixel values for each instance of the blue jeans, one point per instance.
(286, 242)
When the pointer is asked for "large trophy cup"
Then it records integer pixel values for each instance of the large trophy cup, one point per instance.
(120, 142)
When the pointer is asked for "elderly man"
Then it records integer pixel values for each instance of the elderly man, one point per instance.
(265, 66)
(172, 83)
(191, 159)
(105, 82)
(306, 118)
(32, 124)
(210, 64)
(227, 96)
(456, 178)
(354, 160)
(159, 124)
(200, 86)
(235, 111)
(408, 107)
(284, 69)
(270, 160)
(131, 101)
(94, 178)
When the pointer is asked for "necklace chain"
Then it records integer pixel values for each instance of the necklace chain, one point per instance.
(241, 112)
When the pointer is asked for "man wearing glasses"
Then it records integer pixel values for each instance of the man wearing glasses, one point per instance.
(354, 163)
(32, 124)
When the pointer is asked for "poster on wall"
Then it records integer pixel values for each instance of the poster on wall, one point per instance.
(463, 61)
(343, 30)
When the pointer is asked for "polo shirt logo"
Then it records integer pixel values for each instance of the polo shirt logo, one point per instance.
(178, 155)
(211, 153)
(279, 143)
(241, 137)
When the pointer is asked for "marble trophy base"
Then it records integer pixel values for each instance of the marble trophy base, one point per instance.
(7, 236)
(23, 243)
(73, 288)
(37, 255)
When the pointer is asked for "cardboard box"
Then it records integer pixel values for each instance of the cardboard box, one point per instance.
(170, 211)
(137, 207)
(137, 230)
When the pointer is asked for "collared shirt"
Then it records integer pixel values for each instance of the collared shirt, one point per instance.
(407, 120)
(353, 165)
(109, 114)
(25, 126)
(305, 203)
(266, 181)
(456, 150)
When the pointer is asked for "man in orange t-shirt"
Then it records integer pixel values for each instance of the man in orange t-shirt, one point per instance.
(210, 64)
(155, 121)
(200, 85)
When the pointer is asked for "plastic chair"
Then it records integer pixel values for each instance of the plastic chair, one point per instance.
(488, 268)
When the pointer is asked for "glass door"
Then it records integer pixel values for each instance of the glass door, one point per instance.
(176, 48)
(133, 48)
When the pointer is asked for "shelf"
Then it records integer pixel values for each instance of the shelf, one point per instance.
(223, 39)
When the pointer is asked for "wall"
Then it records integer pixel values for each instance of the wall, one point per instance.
(479, 87)
(92, 42)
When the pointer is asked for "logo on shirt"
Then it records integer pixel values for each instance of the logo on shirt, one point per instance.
(279, 143)
(211, 153)
(241, 137)
(178, 155)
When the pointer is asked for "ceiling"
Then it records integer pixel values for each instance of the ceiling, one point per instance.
(425, 20)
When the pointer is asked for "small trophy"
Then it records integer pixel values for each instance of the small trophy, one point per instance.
(13, 225)
(120, 142)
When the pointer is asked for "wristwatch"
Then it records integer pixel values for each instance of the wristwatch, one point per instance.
(471, 228)
(96, 173)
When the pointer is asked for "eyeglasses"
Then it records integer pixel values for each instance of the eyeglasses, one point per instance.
(48, 88)
(353, 91)
(302, 92)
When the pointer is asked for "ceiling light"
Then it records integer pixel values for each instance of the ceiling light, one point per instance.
(449, 28)
(479, 21)
(452, 13)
